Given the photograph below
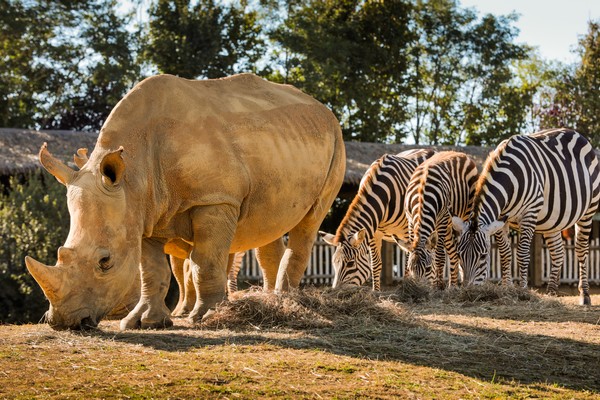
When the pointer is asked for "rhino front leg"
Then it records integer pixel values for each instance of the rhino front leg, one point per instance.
(214, 228)
(151, 311)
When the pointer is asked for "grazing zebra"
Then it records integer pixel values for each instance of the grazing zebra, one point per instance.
(375, 214)
(441, 187)
(544, 182)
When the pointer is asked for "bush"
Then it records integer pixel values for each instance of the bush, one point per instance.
(34, 221)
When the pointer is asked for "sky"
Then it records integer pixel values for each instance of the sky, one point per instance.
(553, 26)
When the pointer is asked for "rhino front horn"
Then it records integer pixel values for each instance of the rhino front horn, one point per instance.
(61, 172)
(49, 278)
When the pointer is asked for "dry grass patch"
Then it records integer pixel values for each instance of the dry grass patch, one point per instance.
(406, 342)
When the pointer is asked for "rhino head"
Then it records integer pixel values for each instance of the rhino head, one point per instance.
(99, 260)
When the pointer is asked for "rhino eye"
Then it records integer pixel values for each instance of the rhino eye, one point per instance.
(105, 263)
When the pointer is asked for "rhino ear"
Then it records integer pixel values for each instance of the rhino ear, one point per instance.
(112, 168)
(80, 158)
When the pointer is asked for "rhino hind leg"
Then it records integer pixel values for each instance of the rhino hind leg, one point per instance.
(269, 257)
(302, 236)
(151, 311)
(187, 291)
(177, 268)
(295, 258)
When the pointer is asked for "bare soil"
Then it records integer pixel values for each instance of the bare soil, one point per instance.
(408, 342)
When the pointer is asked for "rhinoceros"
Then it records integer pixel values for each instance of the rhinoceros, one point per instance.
(225, 165)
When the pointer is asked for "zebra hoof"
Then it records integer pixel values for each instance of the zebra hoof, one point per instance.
(585, 300)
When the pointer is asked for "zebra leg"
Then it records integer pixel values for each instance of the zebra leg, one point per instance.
(234, 269)
(446, 232)
(503, 243)
(232, 275)
(582, 247)
(439, 263)
(269, 256)
(523, 250)
(557, 254)
(376, 263)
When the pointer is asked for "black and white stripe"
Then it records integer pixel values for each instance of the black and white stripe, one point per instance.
(376, 214)
(440, 188)
(544, 182)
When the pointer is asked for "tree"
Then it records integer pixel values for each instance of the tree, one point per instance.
(110, 68)
(204, 39)
(349, 55)
(572, 99)
(34, 221)
(462, 77)
(63, 64)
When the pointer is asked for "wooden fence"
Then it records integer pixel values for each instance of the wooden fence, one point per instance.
(320, 270)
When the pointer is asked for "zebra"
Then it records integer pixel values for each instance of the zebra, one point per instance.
(232, 275)
(544, 182)
(441, 187)
(375, 214)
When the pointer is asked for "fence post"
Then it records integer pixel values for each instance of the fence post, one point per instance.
(387, 261)
(536, 265)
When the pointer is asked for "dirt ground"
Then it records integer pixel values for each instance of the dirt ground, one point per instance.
(328, 344)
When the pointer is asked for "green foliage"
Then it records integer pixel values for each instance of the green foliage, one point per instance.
(63, 64)
(34, 221)
(572, 98)
(462, 76)
(203, 39)
(349, 55)
(427, 70)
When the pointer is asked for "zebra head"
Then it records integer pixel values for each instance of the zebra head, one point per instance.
(473, 247)
(421, 257)
(351, 259)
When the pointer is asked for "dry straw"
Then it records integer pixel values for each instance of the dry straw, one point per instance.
(318, 308)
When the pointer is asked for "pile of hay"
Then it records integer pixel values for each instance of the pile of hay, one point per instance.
(487, 292)
(310, 308)
(318, 308)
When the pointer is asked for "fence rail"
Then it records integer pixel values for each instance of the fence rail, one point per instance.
(320, 271)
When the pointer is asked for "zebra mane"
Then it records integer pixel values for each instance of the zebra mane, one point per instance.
(489, 165)
(365, 185)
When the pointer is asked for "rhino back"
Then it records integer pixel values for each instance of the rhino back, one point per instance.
(263, 147)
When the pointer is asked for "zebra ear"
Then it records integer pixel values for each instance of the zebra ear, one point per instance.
(492, 228)
(328, 238)
(401, 243)
(458, 224)
(357, 239)
(432, 241)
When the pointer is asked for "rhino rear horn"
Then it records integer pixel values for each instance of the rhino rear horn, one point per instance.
(61, 172)
(49, 278)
